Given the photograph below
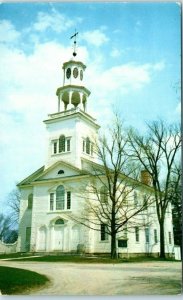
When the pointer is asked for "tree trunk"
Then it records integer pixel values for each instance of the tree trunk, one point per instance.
(113, 246)
(162, 239)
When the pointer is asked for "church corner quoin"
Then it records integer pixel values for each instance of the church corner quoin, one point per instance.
(78, 201)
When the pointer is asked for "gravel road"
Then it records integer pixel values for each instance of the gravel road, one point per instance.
(152, 278)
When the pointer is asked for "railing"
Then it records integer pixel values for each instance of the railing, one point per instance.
(69, 112)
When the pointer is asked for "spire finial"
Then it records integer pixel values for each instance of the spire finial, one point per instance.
(74, 36)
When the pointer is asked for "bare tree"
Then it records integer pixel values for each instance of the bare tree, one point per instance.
(109, 200)
(157, 152)
(175, 198)
(14, 206)
(4, 226)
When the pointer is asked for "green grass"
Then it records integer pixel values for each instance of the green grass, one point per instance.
(14, 255)
(14, 281)
(89, 259)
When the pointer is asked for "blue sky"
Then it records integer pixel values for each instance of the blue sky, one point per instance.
(132, 52)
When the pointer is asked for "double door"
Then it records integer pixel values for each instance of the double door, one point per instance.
(59, 238)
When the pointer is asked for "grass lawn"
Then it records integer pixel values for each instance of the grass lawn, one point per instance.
(88, 259)
(14, 255)
(14, 281)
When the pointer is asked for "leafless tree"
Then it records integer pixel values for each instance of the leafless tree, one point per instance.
(4, 226)
(175, 198)
(14, 206)
(109, 199)
(157, 151)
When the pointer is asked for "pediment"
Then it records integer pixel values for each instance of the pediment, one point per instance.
(59, 170)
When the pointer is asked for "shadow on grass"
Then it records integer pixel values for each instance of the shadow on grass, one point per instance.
(14, 281)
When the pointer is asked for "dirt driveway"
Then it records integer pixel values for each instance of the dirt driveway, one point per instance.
(152, 278)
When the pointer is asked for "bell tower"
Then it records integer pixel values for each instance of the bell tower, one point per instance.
(73, 94)
(72, 131)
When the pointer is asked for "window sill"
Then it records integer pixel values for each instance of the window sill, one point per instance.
(61, 153)
(88, 155)
(59, 211)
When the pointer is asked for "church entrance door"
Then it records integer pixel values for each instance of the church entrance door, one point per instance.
(42, 239)
(59, 238)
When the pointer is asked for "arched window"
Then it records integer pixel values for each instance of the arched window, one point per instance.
(87, 145)
(60, 197)
(62, 143)
(59, 222)
(103, 194)
(30, 201)
(61, 172)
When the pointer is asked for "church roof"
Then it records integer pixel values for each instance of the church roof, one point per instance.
(99, 170)
(88, 168)
(31, 177)
(41, 172)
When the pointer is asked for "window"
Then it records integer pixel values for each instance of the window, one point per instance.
(147, 234)
(68, 145)
(103, 231)
(88, 145)
(135, 199)
(145, 201)
(59, 222)
(60, 197)
(30, 201)
(103, 194)
(61, 172)
(155, 236)
(68, 200)
(55, 147)
(122, 243)
(27, 238)
(62, 143)
(84, 144)
(51, 201)
(137, 234)
(124, 197)
(59, 202)
(170, 237)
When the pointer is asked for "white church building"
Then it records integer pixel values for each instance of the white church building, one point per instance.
(50, 195)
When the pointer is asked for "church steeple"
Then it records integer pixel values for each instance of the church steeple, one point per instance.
(72, 132)
(73, 93)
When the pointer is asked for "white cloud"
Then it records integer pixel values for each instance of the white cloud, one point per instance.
(112, 86)
(29, 83)
(8, 33)
(123, 79)
(96, 37)
(55, 21)
(115, 52)
(159, 66)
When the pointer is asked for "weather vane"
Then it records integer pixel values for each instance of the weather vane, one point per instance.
(74, 36)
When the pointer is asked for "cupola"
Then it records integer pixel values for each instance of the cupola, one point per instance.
(73, 93)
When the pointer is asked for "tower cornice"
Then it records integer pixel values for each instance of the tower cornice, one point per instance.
(72, 87)
(73, 62)
(56, 117)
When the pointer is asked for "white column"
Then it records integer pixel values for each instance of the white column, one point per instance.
(69, 106)
(85, 107)
(58, 103)
(80, 103)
